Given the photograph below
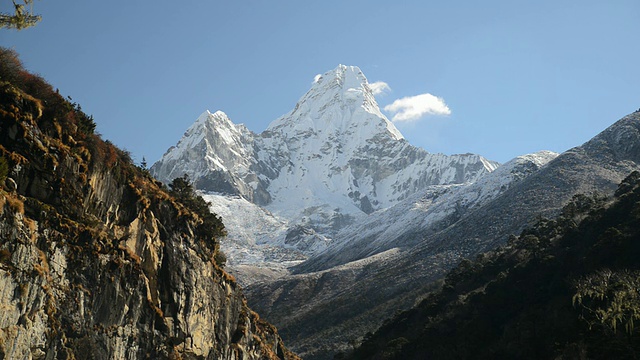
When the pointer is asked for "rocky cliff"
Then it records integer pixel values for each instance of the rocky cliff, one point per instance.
(98, 260)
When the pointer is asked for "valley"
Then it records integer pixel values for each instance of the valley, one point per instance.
(343, 223)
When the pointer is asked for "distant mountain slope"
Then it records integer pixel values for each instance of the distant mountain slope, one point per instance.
(327, 310)
(97, 259)
(426, 213)
(565, 288)
(219, 156)
(331, 161)
(335, 149)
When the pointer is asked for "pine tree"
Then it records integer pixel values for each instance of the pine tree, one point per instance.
(22, 18)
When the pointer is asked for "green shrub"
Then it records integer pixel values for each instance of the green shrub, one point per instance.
(220, 258)
(211, 227)
(609, 299)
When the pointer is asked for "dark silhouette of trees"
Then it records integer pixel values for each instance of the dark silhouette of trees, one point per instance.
(211, 228)
(565, 288)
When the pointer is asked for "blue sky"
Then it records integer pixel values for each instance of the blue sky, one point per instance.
(517, 76)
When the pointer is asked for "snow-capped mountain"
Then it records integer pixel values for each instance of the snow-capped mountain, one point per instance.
(331, 161)
(330, 202)
(342, 153)
(218, 156)
(427, 212)
(331, 301)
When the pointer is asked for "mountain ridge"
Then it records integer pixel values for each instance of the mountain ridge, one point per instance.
(431, 213)
(564, 277)
(318, 132)
(97, 258)
(598, 165)
(328, 163)
(330, 198)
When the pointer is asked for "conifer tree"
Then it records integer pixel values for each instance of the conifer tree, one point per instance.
(22, 17)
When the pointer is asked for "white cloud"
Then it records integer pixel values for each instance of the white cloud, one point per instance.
(316, 78)
(414, 107)
(379, 87)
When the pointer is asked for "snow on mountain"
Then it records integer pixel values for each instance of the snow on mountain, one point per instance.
(329, 163)
(261, 245)
(327, 310)
(218, 156)
(425, 213)
(342, 152)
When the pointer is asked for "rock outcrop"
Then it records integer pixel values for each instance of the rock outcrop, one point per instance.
(97, 259)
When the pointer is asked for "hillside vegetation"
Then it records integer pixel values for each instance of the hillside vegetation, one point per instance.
(96, 257)
(566, 288)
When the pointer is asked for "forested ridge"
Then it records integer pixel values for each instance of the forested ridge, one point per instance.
(565, 288)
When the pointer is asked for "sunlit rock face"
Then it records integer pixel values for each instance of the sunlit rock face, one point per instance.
(97, 260)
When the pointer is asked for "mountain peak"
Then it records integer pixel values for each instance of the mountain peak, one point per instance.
(216, 117)
(218, 114)
(343, 74)
(333, 158)
(344, 80)
(339, 101)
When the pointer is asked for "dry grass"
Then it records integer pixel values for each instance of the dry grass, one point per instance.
(32, 225)
(132, 255)
(3, 200)
(15, 204)
(5, 256)
(43, 267)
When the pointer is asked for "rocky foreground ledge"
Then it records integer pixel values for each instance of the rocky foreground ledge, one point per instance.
(96, 258)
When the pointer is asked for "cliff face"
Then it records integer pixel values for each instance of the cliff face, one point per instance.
(97, 260)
